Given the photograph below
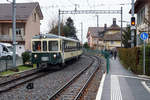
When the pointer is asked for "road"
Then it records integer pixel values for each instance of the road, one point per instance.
(121, 84)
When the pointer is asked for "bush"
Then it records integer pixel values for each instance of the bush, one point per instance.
(26, 57)
(130, 58)
(147, 59)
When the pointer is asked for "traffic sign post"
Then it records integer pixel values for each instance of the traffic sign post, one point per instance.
(144, 59)
(144, 36)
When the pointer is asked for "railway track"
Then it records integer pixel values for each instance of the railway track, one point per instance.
(8, 85)
(74, 89)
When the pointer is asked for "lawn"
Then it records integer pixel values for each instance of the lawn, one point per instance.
(20, 68)
(8, 72)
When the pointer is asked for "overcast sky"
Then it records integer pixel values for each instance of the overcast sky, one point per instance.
(50, 12)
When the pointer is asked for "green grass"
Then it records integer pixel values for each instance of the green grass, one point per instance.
(9, 72)
(21, 68)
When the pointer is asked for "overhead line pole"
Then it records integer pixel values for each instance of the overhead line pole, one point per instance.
(82, 34)
(85, 12)
(121, 24)
(97, 20)
(59, 22)
(14, 31)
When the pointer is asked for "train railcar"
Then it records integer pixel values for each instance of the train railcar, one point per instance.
(53, 49)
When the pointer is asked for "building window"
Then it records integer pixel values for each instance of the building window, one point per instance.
(18, 31)
(35, 17)
(141, 16)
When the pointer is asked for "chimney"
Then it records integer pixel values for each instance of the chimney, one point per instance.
(114, 21)
(105, 27)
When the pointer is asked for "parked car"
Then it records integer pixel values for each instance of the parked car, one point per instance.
(6, 50)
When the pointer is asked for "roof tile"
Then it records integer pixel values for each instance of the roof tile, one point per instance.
(23, 11)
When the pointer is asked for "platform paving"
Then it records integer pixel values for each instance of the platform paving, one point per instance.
(121, 84)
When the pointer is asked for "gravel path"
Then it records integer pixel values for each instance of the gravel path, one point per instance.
(46, 86)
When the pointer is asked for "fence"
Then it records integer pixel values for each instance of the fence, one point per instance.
(91, 52)
(6, 63)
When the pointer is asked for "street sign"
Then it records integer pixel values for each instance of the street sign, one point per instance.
(144, 36)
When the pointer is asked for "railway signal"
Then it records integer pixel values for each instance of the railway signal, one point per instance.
(133, 21)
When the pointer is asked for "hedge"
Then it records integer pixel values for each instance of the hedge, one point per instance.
(132, 58)
(147, 59)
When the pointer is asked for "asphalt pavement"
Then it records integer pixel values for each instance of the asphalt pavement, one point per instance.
(121, 84)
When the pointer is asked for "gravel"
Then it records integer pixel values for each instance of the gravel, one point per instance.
(47, 85)
(92, 89)
(17, 75)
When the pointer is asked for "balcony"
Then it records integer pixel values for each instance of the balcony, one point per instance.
(8, 38)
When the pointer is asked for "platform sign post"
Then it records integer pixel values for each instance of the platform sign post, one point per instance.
(106, 55)
(144, 36)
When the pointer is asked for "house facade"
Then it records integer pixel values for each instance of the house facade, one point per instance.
(142, 9)
(104, 37)
(28, 16)
(93, 36)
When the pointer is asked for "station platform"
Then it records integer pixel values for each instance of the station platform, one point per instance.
(121, 84)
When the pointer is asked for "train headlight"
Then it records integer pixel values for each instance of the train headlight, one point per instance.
(54, 55)
(35, 56)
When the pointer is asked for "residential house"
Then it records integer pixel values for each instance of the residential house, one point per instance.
(142, 9)
(104, 37)
(94, 37)
(28, 16)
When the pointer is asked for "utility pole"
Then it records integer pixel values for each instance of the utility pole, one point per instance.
(121, 24)
(14, 31)
(82, 34)
(132, 27)
(97, 20)
(59, 22)
(75, 7)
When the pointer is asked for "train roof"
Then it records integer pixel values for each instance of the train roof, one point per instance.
(52, 36)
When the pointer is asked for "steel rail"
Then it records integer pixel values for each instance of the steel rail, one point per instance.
(4, 87)
(57, 93)
(87, 82)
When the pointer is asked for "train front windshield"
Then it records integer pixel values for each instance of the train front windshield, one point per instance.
(53, 45)
(36, 45)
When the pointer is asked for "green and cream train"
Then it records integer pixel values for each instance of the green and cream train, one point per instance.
(53, 49)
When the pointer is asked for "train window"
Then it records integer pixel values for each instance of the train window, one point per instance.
(36, 45)
(53, 45)
(44, 45)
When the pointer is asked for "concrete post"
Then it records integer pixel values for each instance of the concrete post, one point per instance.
(14, 31)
